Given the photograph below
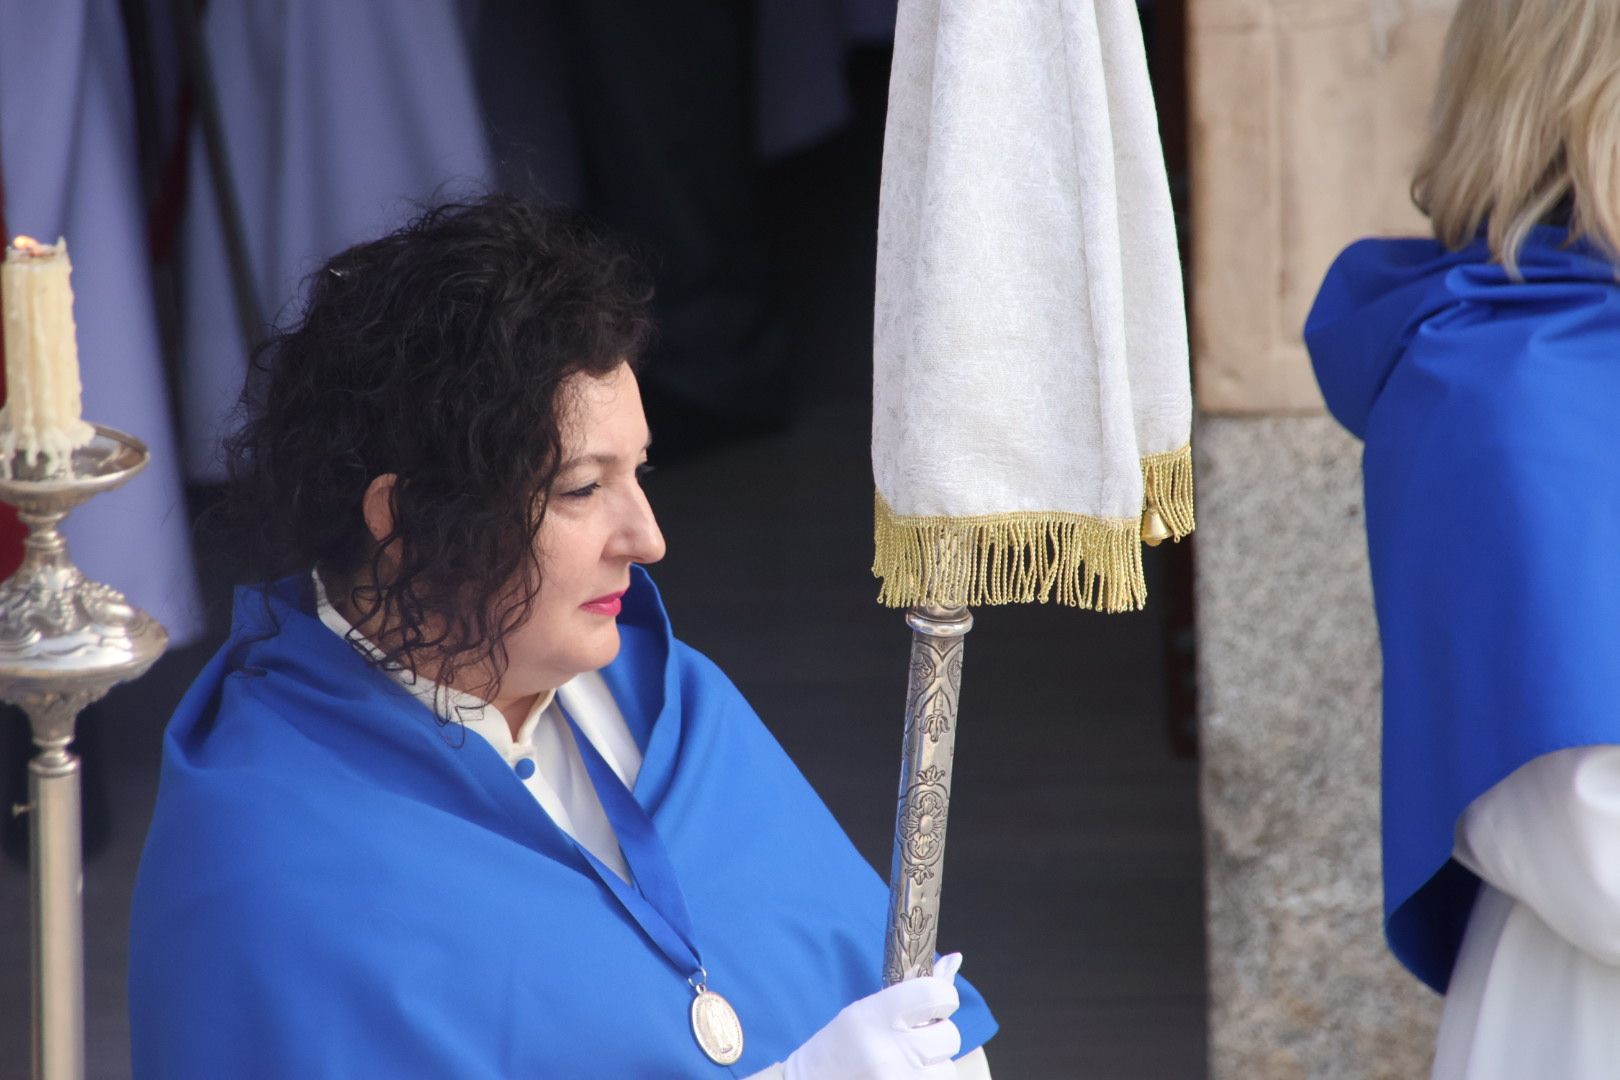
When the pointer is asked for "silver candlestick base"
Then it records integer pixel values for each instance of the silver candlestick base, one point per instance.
(64, 642)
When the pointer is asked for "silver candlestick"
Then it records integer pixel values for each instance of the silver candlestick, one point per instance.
(925, 789)
(64, 642)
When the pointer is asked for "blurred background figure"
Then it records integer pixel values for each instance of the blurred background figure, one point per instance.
(70, 166)
(594, 103)
(334, 121)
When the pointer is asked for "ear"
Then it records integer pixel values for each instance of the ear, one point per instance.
(377, 506)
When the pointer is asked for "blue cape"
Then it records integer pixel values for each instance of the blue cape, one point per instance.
(1490, 412)
(336, 885)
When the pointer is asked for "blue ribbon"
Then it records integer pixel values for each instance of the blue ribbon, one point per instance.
(656, 901)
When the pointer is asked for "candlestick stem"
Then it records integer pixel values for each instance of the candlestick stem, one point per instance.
(56, 861)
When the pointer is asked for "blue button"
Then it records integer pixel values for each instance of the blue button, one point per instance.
(524, 768)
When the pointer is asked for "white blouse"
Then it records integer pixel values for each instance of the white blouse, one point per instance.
(543, 754)
(1536, 991)
(546, 758)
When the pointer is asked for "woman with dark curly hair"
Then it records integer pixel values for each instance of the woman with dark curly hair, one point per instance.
(452, 801)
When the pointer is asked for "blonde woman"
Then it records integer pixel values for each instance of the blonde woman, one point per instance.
(1482, 370)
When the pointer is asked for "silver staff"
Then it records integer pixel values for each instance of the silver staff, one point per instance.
(917, 872)
(64, 642)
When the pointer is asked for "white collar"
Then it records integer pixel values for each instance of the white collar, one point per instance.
(448, 703)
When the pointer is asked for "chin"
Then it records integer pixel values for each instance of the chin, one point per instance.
(598, 649)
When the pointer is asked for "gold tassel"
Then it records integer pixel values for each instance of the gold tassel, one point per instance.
(1026, 556)
(1012, 558)
(1167, 486)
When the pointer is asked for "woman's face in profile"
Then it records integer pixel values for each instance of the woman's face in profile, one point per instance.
(597, 523)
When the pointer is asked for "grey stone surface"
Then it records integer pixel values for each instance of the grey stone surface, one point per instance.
(1301, 984)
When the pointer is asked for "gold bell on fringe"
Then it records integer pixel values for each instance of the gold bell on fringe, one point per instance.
(1154, 530)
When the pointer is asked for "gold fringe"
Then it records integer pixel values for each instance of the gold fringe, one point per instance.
(1012, 558)
(1167, 484)
(1025, 556)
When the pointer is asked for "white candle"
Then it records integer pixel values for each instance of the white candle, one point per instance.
(41, 414)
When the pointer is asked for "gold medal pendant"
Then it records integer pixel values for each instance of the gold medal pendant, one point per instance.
(716, 1027)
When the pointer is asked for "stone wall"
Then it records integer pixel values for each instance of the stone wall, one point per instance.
(1301, 984)
(1307, 116)
(1306, 120)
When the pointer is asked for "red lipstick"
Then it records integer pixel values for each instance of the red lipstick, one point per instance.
(604, 605)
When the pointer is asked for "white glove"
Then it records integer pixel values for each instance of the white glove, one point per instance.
(899, 1033)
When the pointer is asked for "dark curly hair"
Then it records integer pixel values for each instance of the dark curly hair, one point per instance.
(435, 353)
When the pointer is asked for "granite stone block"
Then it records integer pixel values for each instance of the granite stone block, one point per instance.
(1301, 983)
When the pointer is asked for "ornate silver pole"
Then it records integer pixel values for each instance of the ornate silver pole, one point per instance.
(64, 642)
(925, 789)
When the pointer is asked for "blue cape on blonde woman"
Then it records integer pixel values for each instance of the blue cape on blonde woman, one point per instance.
(1492, 471)
(337, 885)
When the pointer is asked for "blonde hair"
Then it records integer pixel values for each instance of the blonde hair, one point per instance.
(1526, 114)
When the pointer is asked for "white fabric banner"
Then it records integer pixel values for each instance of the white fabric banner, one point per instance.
(1031, 396)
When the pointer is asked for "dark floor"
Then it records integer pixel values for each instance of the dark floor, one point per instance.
(1074, 867)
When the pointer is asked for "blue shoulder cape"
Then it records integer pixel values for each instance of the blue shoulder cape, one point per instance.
(336, 885)
(1490, 412)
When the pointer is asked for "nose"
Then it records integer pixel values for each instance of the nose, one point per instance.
(641, 539)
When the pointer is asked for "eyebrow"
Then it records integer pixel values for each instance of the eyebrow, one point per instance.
(597, 459)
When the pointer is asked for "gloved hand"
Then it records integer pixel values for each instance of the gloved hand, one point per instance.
(899, 1033)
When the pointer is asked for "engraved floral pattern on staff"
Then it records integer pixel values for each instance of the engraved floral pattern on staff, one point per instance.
(925, 781)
